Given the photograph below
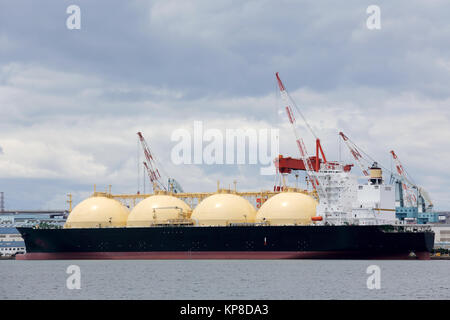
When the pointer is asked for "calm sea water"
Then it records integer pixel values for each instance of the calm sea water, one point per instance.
(225, 279)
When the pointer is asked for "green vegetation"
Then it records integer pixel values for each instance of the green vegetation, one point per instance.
(45, 225)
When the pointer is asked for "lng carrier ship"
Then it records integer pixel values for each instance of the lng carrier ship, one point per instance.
(339, 218)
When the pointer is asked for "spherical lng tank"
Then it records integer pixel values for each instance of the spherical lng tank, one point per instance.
(223, 208)
(288, 208)
(157, 209)
(97, 212)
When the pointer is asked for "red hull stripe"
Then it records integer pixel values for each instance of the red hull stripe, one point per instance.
(248, 255)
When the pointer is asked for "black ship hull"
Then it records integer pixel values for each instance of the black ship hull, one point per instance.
(231, 242)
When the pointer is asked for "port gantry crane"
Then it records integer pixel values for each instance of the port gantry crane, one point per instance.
(310, 168)
(153, 172)
(410, 197)
(407, 183)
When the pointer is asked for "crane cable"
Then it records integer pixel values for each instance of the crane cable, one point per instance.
(409, 180)
(301, 114)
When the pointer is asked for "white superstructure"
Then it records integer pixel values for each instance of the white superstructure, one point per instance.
(348, 202)
(340, 188)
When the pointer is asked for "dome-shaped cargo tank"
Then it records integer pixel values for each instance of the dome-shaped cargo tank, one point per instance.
(157, 209)
(222, 208)
(288, 208)
(97, 212)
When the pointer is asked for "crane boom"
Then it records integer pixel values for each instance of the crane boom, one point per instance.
(151, 174)
(310, 170)
(410, 197)
(406, 181)
(150, 165)
(355, 153)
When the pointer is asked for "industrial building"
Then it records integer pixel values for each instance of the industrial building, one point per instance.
(441, 236)
(11, 242)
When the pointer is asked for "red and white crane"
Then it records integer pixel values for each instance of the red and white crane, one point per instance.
(355, 153)
(310, 169)
(409, 194)
(150, 165)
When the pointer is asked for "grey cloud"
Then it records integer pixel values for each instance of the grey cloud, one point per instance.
(224, 47)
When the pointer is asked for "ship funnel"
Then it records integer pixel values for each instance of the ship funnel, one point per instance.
(376, 174)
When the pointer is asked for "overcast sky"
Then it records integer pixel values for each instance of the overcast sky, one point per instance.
(71, 101)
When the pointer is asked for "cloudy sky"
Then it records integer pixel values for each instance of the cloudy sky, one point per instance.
(71, 101)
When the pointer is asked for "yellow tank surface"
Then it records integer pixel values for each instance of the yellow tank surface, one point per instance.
(223, 208)
(288, 208)
(157, 209)
(97, 212)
